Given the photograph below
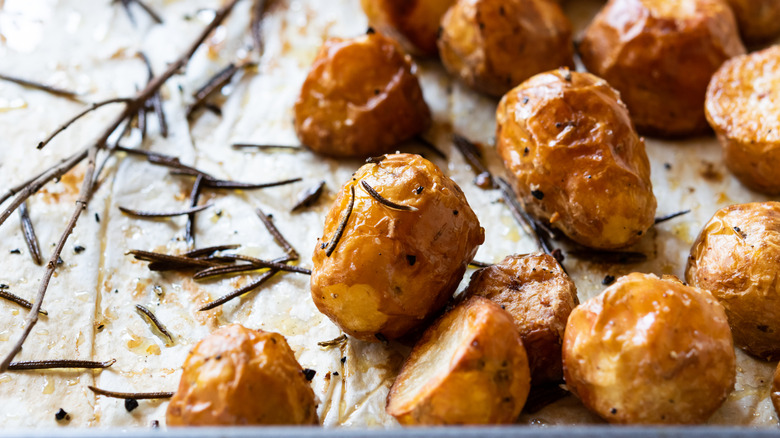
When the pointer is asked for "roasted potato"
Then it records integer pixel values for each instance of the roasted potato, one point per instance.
(650, 351)
(360, 98)
(660, 55)
(758, 20)
(575, 159)
(394, 258)
(539, 295)
(775, 394)
(737, 258)
(238, 376)
(414, 23)
(469, 367)
(493, 45)
(743, 108)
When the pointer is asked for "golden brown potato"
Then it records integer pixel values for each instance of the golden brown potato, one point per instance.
(650, 351)
(737, 258)
(493, 45)
(539, 295)
(392, 268)
(226, 371)
(414, 23)
(361, 98)
(775, 395)
(660, 55)
(575, 159)
(744, 110)
(469, 367)
(758, 20)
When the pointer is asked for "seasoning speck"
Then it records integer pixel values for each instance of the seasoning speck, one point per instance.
(131, 404)
(609, 279)
(309, 373)
(538, 194)
(62, 415)
(16, 251)
(78, 249)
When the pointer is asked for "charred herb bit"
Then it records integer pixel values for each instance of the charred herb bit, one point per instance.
(130, 395)
(558, 255)
(154, 214)
(308, 197)
(608, 279)
(237, 293)
(661, 219)
(309, 373)
(384, 201)
(91, 108)
(38, 86)
(411, 260)
(480, 265)
(376, 160)
(16, 251)
(130, 404)
(157, 327)
(29, 234)
(277, 235)
(471, 154)
(89, 153)
(18, 300)
(739, 232)
(538, 194)
(333, 342)
(62, 415)
(154, 424)
(340, 230)
(542, 396)
(59, 364)
(78, 249)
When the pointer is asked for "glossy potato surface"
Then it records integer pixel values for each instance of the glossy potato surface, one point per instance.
(743, 107)
(392, 268)
(660, 56)
(469, 367)
(650, 351)
(360, 98)
(737, 258)
(575, 160)
(493, 45)
(414, 23)
(758, 20)
(539, 295)
(237, 376)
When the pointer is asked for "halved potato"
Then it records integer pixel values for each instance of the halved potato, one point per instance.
(469, 367)
(650, 351)
(238, 376)
(414, 23)
(743, 108)
(539, 295)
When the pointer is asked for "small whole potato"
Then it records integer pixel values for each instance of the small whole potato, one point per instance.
(650, 351)
(737, 258)
(360, 98)
(493, 45)
(743, 108)
(539, 295)
(758, 20)
(414, 23)
(575, 160)
(381, 270)
(239, 377)
(660, 55)
(469, 367)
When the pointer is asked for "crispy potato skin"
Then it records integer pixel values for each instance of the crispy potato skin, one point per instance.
(485, 380)
(660, 55)
(539, 296)
(743, 108)
(414, 23)
(650, 351)
(493, 45)
(392, 269)
(360, 98)
(737, 258)
(226, 371)
(575, 160)
(758, 20)
(775, 394)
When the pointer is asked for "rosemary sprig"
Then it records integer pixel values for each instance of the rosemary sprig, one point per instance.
(522, 218)
(214, 83)
(189, 229)
(29, 234)
(237, 293)
(384, 201)
(234, 185)
(209, 250)
(270, 264)
(234, 269)
(157, 214)
(19, 300)
(38, 86)
(308, 197)
(73, 119)
(59, 364)
(240, 146)
(331, 246)
(473, 157)
(131, 395)
(668, 217)
(157, 327)
(149, 256)
(277, 235)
